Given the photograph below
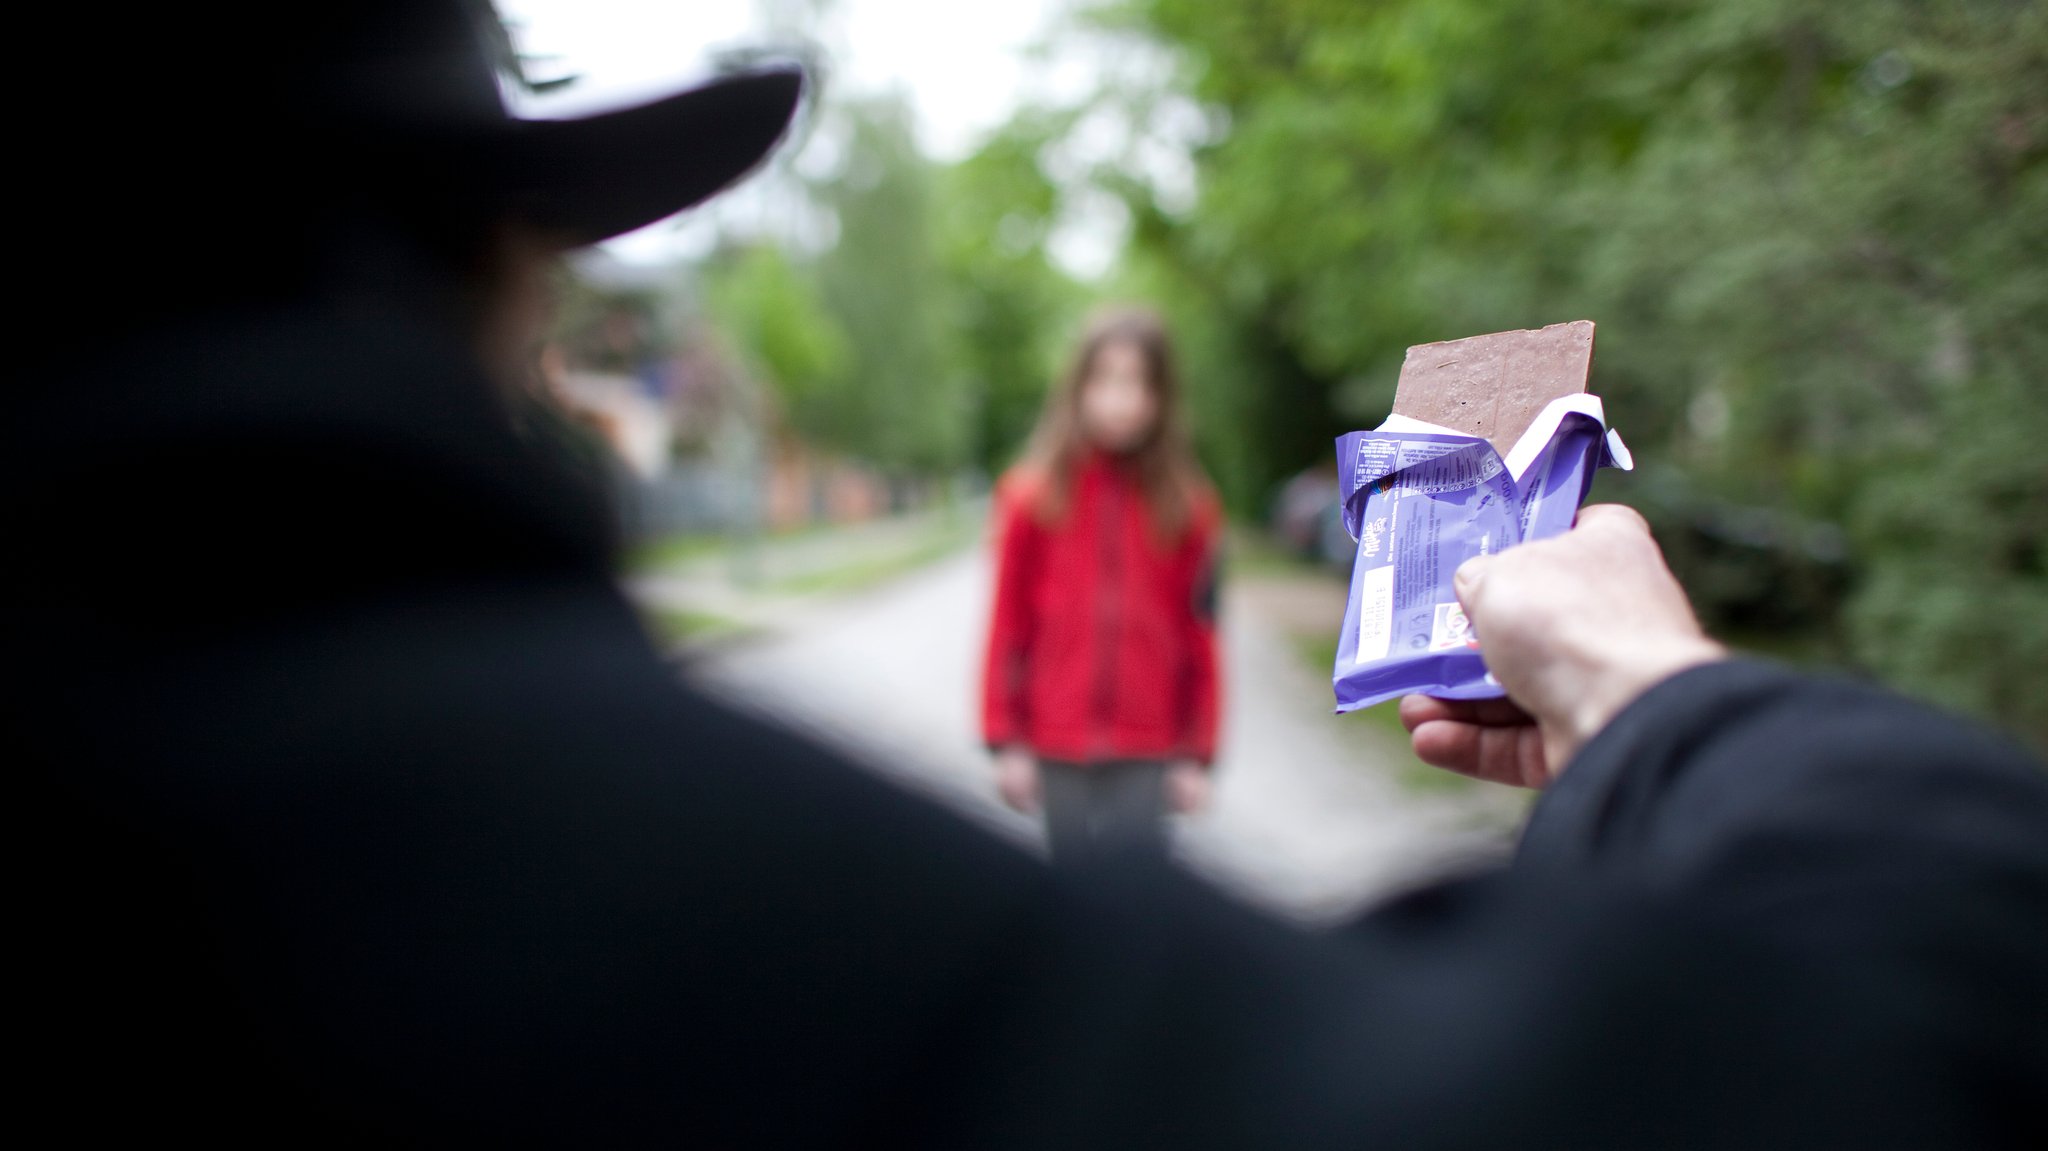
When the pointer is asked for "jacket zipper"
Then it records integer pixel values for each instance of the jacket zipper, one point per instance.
(1107, 611)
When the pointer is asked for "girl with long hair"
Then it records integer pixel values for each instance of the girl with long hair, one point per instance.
(1100, 694)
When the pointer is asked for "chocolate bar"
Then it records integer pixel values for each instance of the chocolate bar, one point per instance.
(1449, 478)
(1494, 386)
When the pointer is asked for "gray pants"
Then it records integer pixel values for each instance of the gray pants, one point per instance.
(1100, 809)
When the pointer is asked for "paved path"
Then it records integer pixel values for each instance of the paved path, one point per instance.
(1308, 818)
(760, 583)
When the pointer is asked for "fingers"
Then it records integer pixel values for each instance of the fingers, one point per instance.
(1596, 519)
(1606, 517)
(1495, 753)
(1420, 709)
(1489, 739)
(1466, 580)
(1021, 796)
(1017, 781)
(1188, 788)
(1574, 627)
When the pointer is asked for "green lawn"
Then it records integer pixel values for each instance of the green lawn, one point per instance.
(680, 626)
(652, 556)
(941, 541)
(1249, 551)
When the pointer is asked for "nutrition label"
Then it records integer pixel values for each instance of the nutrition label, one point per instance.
(1424, 494)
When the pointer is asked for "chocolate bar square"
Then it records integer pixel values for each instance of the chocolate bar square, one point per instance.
(1494, 386)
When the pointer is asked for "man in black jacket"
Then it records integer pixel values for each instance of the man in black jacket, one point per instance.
(360, 803)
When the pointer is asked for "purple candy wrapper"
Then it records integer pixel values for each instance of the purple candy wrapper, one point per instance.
(1420, 501)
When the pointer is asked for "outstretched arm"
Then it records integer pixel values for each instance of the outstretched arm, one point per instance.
(1893, 854)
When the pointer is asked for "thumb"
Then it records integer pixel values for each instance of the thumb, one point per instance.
(1470, 574)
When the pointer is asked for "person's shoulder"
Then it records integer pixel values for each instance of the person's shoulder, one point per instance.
(1021, 487)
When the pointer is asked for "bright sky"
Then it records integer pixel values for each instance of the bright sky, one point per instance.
(964, 65)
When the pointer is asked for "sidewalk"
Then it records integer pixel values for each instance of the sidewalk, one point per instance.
(1315, 814)
(703, 592)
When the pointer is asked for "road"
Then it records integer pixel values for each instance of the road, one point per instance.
(1309, 820)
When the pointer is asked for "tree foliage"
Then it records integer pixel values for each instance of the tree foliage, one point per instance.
(879, 281)
(1008, 309)
(769, 307)
(922, 338)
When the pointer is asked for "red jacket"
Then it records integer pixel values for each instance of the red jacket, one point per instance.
(1103, 642)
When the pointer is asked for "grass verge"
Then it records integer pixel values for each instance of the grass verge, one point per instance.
(1251, 552)
(652, 556)
(1319, 654)
(677, 627)
(869, 570)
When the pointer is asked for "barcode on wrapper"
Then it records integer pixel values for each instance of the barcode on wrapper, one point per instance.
(1375, 613)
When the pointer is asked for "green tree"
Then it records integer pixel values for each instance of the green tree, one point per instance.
(896, 403)
(1007, 307)
(771, 310)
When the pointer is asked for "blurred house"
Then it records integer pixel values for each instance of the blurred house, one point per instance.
(637, 426)
(806, 486)
(701, 445)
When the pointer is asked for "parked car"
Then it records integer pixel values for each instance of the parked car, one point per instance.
(1306, 518)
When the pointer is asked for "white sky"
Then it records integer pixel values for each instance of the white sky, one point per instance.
(964, 64)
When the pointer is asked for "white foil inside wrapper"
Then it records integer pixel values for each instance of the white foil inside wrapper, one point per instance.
(1533, 441)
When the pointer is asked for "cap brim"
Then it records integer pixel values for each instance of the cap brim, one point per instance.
(601, 176)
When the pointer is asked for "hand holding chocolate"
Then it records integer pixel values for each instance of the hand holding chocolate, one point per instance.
(1493, 441)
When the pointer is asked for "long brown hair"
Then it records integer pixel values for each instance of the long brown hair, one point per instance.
(1167, 472)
